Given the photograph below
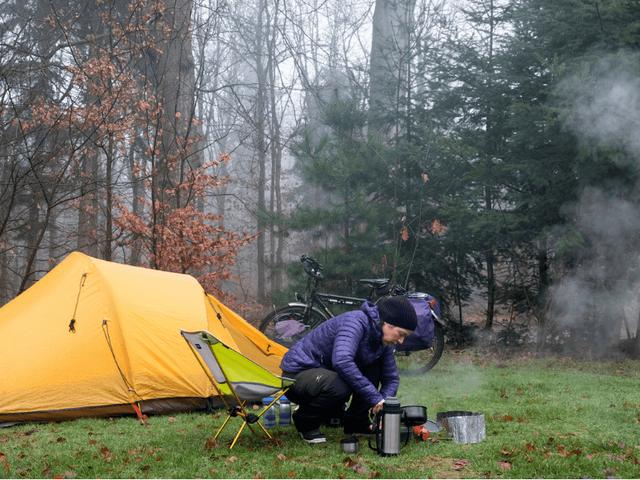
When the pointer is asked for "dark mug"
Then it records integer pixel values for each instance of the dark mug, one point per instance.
(349, 445)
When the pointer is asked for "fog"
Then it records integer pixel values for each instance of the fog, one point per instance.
(598, 299)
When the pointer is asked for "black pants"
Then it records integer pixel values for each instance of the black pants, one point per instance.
(321, 395)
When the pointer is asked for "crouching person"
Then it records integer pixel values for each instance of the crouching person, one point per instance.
(350, 355)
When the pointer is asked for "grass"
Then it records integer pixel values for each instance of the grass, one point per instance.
(544, 418)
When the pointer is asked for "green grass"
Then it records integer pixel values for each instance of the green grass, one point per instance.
(544, 418)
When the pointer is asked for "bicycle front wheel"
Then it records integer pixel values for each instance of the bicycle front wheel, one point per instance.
(289, 324)
(421, 361)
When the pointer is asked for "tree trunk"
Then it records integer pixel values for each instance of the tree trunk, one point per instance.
(275, 198)
(260, 149)
(388, 63)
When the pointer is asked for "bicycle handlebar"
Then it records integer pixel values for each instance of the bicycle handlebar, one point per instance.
(311, 266)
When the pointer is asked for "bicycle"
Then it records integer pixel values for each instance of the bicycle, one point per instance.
(289, 324)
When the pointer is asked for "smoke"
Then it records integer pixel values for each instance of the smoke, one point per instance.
(604, 100)
(599, 298)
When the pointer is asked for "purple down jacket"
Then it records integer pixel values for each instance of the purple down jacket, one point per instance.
(344, 344)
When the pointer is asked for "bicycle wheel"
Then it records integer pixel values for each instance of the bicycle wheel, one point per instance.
(289, 324)
(421, 361)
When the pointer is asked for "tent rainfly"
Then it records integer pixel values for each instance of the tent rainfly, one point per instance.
(96, 338)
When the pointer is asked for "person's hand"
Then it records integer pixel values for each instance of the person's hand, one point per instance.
(377, 407)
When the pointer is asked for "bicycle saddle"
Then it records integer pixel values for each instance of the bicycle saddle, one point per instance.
(374, 282)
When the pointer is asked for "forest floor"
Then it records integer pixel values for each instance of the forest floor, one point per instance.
(545, 418)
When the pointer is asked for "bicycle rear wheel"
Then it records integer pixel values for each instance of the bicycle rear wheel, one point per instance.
(421, 361)
(289, 324)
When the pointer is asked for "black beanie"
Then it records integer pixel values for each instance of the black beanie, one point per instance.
(398, 311)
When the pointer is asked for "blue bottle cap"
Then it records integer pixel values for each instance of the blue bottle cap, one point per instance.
(267, 400)
(284, 399)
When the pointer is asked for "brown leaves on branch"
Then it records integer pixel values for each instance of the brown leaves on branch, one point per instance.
(187, 240)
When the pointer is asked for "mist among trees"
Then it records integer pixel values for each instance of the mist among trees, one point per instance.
(484, 151)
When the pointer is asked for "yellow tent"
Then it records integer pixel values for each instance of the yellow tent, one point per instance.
(99, 338)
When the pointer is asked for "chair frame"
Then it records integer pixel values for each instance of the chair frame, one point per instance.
(239, 409)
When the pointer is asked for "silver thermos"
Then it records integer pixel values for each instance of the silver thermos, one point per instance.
(388, 428)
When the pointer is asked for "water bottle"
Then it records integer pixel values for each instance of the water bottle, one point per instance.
(285, 411)
(269, 417)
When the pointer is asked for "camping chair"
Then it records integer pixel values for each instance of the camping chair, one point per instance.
(234, 375)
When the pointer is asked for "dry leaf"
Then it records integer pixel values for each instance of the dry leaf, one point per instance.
(348, 462)
(504, 465)
(171, 419)
(5, 462)
(404, 233)
(460, 464)
(211, 444)
(232, 459)
(375, 474)
(106, 454)
(506, 452)
(282, 457)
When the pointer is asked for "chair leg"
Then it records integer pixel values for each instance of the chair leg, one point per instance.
(224, 424)
(235, 439)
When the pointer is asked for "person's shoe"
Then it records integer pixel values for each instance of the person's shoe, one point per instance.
(313, 436)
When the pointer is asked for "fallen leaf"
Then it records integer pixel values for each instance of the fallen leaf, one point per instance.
(460, 464)
(171, 419)
(282, 457)
(46, 471)
(5, 462)
(291, 474)
(69, 474)
(530, 447)
(106, 454)
(4, 439)
(361, 469)
(92, 441)
(348, 462)
(258, 475)
(504, 465)
(590, 456)
(353, 465)
(232, 459)
(506, 452)
(507, 418)
(61, 440)
(211, 443)
(375, 474)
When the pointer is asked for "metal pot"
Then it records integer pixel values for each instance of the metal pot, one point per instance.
(414, 415)
(349, 445)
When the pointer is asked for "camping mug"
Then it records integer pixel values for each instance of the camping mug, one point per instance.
(349, 445)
